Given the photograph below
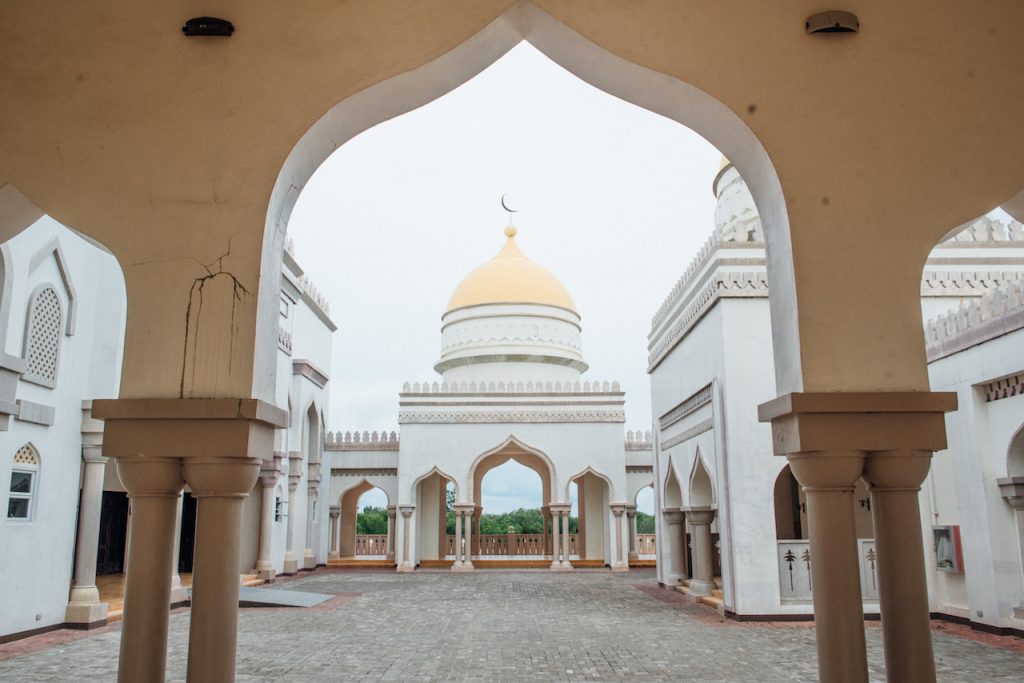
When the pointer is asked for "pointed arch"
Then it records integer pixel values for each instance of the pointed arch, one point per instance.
(672, 492)
(53, 248)
(639, 490)
(524, 454)
(366, 485)
(312, 435)
(590, 470)
(523, 21)
(435, 470)
(701, 488)
(1015, 455)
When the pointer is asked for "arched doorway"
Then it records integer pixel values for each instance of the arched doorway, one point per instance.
(592, 501)
(365, 524)
(435, 501)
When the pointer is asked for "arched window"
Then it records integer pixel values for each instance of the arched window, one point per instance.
(42, 337)
(24, 476)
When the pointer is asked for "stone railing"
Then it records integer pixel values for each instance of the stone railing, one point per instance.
(976, 321)
(428, 388)
(645, 544)
(639, 441)
(371, 544)
(510, 545)
(361, 441)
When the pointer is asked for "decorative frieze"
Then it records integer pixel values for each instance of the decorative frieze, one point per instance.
(284, 340)
(364, 471)
(1004, 388)
(694, 402)
(966, 283)
(518, 416)
(639, 469)
(696, 430)
(484, 388)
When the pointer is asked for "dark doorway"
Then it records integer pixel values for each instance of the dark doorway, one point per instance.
(186, 548)
(113, 533)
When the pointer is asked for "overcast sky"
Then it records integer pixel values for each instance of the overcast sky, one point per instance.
(613, 199)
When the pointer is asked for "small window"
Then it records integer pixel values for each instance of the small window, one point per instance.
(277, 509)
(23, 483)
(42, 337)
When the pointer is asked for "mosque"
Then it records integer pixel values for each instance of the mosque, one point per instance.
(868, 161)
(511, 388)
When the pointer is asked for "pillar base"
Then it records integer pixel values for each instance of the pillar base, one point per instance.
(561, 566)
(620, 567)
(701, 589)
(309, 561)
(85, 614)
(291, 567)
(466, 566)
(179, 594)
(633, 555)
(405, 567)
(333, 555)
(266, 574)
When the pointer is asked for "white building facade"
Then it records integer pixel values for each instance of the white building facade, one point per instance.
(62, 321)
(711, 366)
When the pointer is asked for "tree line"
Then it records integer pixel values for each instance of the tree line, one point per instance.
(374, 520)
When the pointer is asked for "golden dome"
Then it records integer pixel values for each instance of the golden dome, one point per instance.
(510, 278)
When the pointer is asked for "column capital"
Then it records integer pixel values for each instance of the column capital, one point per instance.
(1012, 491)
(864, 421)
(673, 515)
(268, 478)
(560, 508)
(701, 514)
(187, 428)
(392, 510)
(617, 508)
(406, 510)
(221, 477)
(464, 508)
(148, 476)
(335, 510)
(837, 470)
(897, 470)
(92, 454)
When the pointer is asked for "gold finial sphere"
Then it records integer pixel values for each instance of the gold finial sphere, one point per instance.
(510, 231)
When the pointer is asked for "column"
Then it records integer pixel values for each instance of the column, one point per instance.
(894, 479)
(631, 521)
(391, 533)
(334, 552)
(84, 606)
(153, 485)
(179, 596)
(467, 564)
(828, 479)
(703, 580)
(476, 533)
(312, 489)
(1012, 491)
(291, 563)
(457, 565)
(268, 484)
(406, 565)
(556, 555)
(566, 563)
(220, 486)
(675, 535)
(545, 512)
(619, 564)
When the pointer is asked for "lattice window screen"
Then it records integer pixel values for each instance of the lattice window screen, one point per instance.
(26, 455)
(42, 341)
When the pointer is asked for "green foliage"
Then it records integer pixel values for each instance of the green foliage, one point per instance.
(522, 522)
(372, 520)
(644, 523)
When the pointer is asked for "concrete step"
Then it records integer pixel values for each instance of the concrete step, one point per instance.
(351, 563)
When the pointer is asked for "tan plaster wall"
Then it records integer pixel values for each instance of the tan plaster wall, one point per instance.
(166, 149)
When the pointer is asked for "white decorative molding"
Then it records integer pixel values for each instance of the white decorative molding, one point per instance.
(723, 285)
(997, 313)
(639, 469)
(696, 430)
(306, 369)
(966, 283)
(365, 441)
(502, 388)
(284, 340)
(691, 404)
(518, 416)
(753, 237)
(986, 230)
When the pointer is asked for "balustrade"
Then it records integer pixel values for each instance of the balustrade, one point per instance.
(512, 545)
(372, 544)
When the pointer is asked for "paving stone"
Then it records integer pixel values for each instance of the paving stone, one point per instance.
(506, 626)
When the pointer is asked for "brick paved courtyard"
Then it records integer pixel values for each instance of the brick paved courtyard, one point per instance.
(500, 626)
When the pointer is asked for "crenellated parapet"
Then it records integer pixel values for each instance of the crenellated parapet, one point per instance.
(449, 388)
(720, 237)
(639, 441)
(966, 283)
(997, 313)
(986, 230)
(314, 294)
(361, 441)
